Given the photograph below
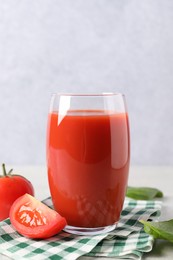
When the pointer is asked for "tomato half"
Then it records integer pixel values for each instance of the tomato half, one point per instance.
(33, 219)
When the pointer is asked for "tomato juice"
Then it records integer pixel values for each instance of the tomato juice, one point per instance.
(88, 161)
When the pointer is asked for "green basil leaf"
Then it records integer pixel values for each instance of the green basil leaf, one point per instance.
(160, 230)
(143, 193)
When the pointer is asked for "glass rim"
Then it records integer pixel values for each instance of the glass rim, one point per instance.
(104, 94)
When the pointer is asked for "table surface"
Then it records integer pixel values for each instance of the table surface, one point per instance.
(160, 177)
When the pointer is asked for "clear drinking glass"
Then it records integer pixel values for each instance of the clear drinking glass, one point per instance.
(88, 154)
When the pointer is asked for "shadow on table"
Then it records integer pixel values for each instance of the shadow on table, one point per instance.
(161, 248)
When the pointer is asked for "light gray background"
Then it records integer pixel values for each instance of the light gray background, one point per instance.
(86, 46)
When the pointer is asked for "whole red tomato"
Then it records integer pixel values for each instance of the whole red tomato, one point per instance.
(11, 188)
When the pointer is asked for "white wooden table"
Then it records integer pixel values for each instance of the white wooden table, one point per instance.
(158, 177)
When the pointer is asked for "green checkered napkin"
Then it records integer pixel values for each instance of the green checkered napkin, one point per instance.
(128, 240)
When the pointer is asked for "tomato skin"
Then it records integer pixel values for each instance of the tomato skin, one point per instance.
(24, 208)
(11, 188)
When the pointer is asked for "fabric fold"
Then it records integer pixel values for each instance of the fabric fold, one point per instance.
(127, 241)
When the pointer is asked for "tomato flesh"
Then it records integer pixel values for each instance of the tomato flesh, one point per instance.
(34, 219)
(30, 217)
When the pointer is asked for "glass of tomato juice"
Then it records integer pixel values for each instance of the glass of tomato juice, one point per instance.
(88, 154)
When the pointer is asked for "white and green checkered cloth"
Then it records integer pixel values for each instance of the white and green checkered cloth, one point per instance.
(128, 240)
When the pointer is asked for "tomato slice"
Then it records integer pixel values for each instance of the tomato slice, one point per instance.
(33, 219)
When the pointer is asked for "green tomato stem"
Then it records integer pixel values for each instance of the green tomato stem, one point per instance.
(10, 171)
(4, 170)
